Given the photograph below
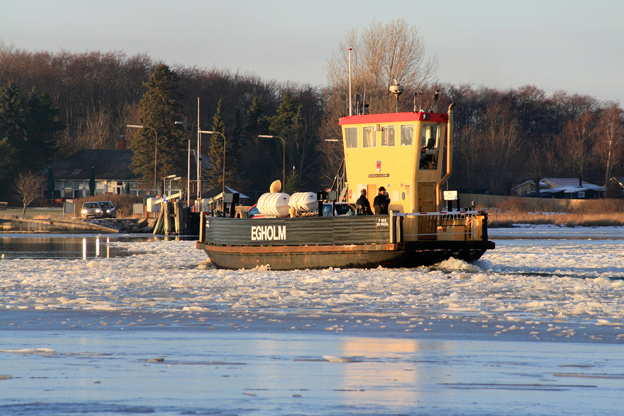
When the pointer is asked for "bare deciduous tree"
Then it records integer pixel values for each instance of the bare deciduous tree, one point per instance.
(609, 146)
(503, 141)
(468, 150)
(541, 159)
(28, 188)
(381, 53)
(575, 142)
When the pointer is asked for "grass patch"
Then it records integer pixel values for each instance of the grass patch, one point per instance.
(582, 213)
(36, 213)
(508, 219)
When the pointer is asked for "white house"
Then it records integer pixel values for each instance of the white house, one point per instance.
(568, 188)
(111, 168)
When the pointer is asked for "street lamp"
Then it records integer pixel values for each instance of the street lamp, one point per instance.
(188, 170)
(266, 136)
(224, 147)
(199, 158)
(171, 178)
(134, 126)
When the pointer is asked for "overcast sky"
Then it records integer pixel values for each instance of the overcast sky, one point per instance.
(571, 45)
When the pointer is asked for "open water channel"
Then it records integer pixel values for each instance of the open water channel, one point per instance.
(148, 326)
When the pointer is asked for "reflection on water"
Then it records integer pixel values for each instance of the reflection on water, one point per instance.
(55, 247)
(199, 371)
(386, 369)
(404, 361)
(66, 246)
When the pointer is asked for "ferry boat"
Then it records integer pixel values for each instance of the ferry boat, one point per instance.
(407, 153)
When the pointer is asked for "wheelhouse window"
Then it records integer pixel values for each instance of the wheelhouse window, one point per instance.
(407, 135)
(369, 137)
(429, 143)
(351, 137)
(387, 136)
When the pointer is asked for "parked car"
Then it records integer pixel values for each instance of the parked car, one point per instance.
(340, 209)
(254, 212)
(108, 209)
(91, 210)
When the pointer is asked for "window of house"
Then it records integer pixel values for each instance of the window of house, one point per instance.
(69, 189)
(369, 137)
(407, 135)
(387, 136)
(351, 137)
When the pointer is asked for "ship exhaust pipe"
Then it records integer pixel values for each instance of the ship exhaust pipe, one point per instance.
(449, 156)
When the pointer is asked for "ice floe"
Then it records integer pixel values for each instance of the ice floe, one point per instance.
(520, 279)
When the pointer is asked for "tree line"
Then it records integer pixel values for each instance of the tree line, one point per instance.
(507, 137)
(54, 104)
(93, 96)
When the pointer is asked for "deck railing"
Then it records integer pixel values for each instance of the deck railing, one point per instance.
(451, 225)
(367, 229)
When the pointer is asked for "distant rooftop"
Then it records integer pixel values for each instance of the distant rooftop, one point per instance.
(108, 164)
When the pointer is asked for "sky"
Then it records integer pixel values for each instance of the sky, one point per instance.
(572, 45)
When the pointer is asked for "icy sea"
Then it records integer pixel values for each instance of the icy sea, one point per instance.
(103, 325)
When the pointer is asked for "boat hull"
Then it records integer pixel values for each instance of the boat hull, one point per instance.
(342, 256)
(341, 242)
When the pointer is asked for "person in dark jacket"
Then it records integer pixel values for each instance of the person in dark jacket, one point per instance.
(363, 205)
(381, 202)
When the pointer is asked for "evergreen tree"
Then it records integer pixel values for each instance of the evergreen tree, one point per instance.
(42, 127)
(256, 149)
(12, 134)
(7, 164)
(256, 122)
(12, 116)
(281, 124)
(234, 154)
(28, 132)
(158, 111)
(300, 137)
(292, 183)
(214, 174)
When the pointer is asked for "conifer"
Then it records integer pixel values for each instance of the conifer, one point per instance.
(214, 173)
(42, 128)
(158, 111)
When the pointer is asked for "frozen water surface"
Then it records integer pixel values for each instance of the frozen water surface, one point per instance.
(534, 328)
(564, 280)
(200, 372)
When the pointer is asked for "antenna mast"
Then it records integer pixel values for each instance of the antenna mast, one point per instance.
(350, 104)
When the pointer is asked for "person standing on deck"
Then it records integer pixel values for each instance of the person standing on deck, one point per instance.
(363, 205)
(381, 202)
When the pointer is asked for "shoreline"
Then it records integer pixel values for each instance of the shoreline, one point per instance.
(386, 325)
(562, 219)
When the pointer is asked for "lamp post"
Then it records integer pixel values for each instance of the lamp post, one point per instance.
(188, 169)
(134, 126)
(171, 178)
(199, 158)
(199, 155)
(266, 136)
(224, 147)
(188, 176)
